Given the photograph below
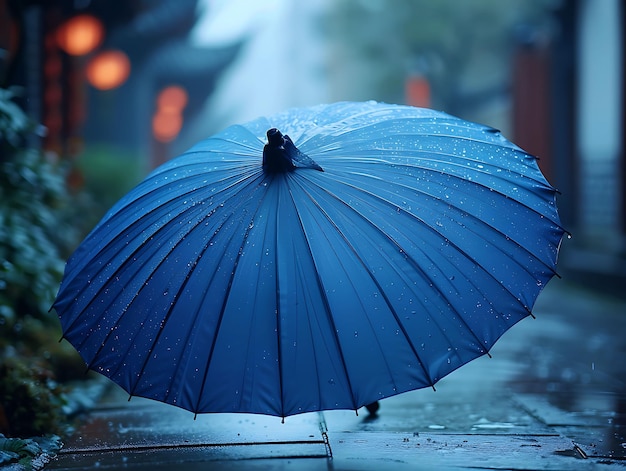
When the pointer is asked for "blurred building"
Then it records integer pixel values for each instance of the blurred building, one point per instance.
(46, 56)
(94, 72)
(569, 109)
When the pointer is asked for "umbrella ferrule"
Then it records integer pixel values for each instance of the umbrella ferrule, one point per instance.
(281, 155)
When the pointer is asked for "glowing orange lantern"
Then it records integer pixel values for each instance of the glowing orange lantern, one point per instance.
(172, 98)
(166, 126)
(80, 35)
(108, 70)
(168, 119)
(417, 91)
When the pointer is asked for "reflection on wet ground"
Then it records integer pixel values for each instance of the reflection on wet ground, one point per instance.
(574, 372)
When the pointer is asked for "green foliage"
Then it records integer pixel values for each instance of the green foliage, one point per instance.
(30, 400)
(13, 122)
(33, 199)
(35, 236)
(40, 222)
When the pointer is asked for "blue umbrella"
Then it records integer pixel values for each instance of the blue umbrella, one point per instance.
(322, 258)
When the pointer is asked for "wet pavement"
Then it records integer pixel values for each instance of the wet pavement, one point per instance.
(552, 397)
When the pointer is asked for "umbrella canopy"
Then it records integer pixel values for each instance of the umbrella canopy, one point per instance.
(322, 258)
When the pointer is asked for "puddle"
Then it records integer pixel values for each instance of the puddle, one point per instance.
(484, 424)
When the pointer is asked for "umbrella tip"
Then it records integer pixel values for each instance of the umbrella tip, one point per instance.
(281, 155)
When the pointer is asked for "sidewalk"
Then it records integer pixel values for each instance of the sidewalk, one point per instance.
(552, 397)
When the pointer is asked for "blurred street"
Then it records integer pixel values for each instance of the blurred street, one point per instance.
(552, 397)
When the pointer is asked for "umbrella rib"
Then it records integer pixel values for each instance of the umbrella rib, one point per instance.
(490, 226)
(376, 156)
(170, 310)
(413, 262)
(139, 247)
(313, 344)
(182, 287)
(278, 314)
(372, 277)
(327, 308)
(112, 329)
(523, 176)
(241, 176)
(378, 285)
(459, 177)
(365, 124)
(111, 299)
(226, 296)
(421, 221)
(121, 235)
(218, 137)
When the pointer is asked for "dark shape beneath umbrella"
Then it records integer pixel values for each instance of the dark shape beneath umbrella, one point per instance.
(221, 284)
